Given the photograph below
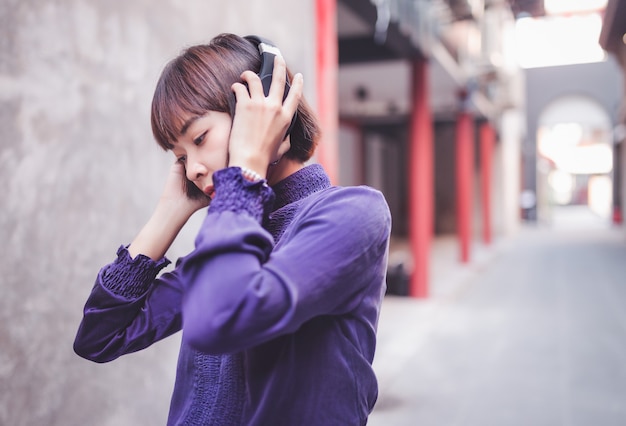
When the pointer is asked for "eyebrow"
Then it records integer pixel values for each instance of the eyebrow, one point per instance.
(188, 123)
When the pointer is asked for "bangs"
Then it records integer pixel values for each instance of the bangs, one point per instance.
(172, 104)
(197, 81)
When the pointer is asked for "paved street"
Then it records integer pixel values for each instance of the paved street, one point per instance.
(532, 333)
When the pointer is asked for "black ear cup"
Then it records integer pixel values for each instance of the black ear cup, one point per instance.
(268, 51)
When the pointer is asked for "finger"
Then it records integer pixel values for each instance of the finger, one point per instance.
(177, 168)
(241, 92)
(295, 94)
(279, 78)
(254, 83)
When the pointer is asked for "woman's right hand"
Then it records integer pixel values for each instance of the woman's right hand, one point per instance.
(172, 212)
(175, 196)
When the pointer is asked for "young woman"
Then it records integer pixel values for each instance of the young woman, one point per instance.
(279, 301)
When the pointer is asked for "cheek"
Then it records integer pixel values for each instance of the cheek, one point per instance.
(223, 144)
(216, 151)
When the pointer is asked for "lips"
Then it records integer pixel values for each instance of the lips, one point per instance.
(209, 191)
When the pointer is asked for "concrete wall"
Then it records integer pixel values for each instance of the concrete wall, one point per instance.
(81, 174)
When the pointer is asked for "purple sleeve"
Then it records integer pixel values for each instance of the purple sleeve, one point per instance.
(240, 292)
(128, 308)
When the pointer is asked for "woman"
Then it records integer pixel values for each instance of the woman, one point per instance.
(279, 300)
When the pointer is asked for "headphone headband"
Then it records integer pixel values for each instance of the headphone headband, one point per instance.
(263, 44)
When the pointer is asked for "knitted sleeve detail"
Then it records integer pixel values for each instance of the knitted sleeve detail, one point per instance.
(130, 277)
(236, 194)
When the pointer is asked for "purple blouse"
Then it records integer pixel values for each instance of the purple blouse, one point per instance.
(278, 304)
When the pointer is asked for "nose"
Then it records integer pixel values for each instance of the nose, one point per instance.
(195, 170)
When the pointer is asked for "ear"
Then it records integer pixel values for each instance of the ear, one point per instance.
(282, 149)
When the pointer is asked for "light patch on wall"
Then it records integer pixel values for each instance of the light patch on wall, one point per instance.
(567, 147)
(559, 40)
(553, 7)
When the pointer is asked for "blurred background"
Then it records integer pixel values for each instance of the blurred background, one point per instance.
(495, 129)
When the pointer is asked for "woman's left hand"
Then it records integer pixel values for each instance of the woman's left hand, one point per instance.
(260, 122)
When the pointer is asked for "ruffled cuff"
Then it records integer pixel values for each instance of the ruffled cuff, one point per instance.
(130, 277)
(236, 194)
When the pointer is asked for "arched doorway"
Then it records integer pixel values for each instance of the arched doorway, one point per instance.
(574, 162)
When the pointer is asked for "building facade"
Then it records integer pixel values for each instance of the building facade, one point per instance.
(431, 104)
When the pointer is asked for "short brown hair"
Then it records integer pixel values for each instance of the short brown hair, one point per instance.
(200, 80)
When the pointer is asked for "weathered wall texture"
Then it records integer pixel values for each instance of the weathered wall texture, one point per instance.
(80, 174)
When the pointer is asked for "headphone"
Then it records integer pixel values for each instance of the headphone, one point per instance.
(268, 51)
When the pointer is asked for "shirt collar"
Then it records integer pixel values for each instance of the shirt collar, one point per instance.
(301, 184)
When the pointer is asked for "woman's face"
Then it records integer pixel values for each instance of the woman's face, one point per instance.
(203, 147)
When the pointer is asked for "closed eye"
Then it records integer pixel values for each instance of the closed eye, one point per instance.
(199, 139)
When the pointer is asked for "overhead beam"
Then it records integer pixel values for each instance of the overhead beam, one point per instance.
(363, 49)
(395, 45)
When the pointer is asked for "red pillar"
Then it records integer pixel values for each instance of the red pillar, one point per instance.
(464, 181)
(617, 215)
(327, 103)
(487, 142)
(420, 168)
